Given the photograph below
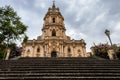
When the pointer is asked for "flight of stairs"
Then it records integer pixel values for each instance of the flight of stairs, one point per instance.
(60, 69)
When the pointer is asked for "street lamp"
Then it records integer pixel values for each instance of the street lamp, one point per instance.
(107, 32)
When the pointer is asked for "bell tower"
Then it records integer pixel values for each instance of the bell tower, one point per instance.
(53, 24)
(54, 42)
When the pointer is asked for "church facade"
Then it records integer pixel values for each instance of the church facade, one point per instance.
(54, 42)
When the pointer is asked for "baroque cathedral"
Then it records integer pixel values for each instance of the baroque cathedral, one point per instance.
(54, 42)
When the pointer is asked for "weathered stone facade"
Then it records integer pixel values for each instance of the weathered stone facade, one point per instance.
(54, 42)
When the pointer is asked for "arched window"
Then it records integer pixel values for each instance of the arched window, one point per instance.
(53, 32)
(79, 53)
(28, 52)
(69, 50)
(38, 50)
(53, 20)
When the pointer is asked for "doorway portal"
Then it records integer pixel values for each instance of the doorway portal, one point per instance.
(53, 54)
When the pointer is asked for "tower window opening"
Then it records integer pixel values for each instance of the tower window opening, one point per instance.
(38, 50)
(53, 20)
(53, 32)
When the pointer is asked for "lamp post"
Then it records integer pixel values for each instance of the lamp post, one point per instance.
(114, 56)
(107, 32)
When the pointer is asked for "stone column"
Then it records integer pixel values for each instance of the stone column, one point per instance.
(73, 55)
(92, 50)
(33, 46)
(111, 54)
(8, 54)
(45, 51)
(63, 55)
(61, 33)
(83, 50)
(64, 51)
(33, 52)
(24, 52)
(59, 51)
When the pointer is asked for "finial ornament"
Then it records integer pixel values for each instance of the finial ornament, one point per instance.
(53, 4)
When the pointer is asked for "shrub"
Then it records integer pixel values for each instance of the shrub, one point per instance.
(101, 50)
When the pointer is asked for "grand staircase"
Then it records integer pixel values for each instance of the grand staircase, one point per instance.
(60, 69)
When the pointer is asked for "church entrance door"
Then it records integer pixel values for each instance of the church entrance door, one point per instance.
(53, 54)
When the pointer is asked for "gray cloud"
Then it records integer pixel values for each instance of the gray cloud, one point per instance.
(85, 19)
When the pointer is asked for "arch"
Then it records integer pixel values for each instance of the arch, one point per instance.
(79, 53)
(69, 50)
(38, 50)
(53, 54)
(28, 52)
(53, 20)
(53, 32)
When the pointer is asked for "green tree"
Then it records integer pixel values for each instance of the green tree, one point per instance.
(25, 39)
(2, 50)
(11, 28)
(101, 50)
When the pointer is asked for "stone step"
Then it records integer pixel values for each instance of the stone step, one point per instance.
(71, 59)
(33, 58)
(35, 69)
(61, 58)
(66, 67)
(63, 66)
(60, 78)
(80, 65)
(61, 61)
(47, 62)
(57, 62)
(60, 69)
(53, 64)
(61, 75)
(64, 71)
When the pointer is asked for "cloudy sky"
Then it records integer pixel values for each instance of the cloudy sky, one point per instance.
(84, 19)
